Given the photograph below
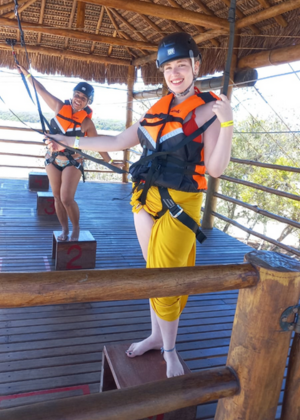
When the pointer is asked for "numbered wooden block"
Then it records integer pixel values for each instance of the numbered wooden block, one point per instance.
(119, 371)
(74, 255)
(38, 181)
(45, 204)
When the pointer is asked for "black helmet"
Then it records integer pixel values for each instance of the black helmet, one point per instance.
(176, 46)
(86, 89)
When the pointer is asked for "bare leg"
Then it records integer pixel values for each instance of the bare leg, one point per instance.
(169, 334)
(70, 179)
(153, 342)
(163, 333)
(55, 176)
(143, 223)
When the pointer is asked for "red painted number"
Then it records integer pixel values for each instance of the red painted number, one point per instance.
(158, 417)
(38, 181)
(50, 206)
(69, 265)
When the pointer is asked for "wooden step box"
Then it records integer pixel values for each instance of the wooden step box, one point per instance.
(38, 181)
(119, 371)
(45, 204)
(74, 255)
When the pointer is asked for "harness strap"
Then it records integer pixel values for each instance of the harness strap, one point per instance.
(178, 213)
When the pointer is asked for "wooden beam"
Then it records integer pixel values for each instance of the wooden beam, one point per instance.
(271, 57)
(99, 23)
(11, 5)
(164, 12)
(80, 15)
(122, 34)
(279, 19)
(258, 347)
(273, 11)
(131, 27)
(70, 54)
(31, 27)
(111, 47)
(144, 60)
(55, 287)
(71, 18)
(41, 18)
(144, 401)
(241, 15)
(20, 9)
(199, 28)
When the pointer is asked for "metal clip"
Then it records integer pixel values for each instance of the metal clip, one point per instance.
(290, 326)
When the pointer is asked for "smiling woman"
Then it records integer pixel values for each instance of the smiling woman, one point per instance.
(64, 169)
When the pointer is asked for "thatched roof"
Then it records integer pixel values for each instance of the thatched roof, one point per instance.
(98, 39)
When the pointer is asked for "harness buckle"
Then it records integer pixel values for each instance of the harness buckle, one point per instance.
(180, 210)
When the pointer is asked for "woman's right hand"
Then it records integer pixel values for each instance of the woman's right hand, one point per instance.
(22, 69)
(55, 147)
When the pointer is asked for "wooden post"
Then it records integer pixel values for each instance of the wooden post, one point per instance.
(259, 347)
(130, 83)
(291, 400)
(214, 183)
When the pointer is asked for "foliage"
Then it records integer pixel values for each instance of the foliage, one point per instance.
(277, 149)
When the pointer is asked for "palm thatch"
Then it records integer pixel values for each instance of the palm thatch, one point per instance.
(96, 41)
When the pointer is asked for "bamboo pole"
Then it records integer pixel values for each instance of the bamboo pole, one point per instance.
(271, 57)
(41, 28)
(129, 109)
(55, 287)
(136, 402)
(213, 184)
(165, 12)
(259, 348)
(69, 54)
(245, 78)
(291, 400)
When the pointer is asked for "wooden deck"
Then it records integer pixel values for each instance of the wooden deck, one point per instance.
(55, 351)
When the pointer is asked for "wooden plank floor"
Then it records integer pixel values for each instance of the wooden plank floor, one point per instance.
(53, 352)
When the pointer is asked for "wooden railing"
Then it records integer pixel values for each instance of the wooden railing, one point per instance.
(269, 283)
(209, 211)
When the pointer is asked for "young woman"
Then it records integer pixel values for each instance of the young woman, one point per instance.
(169, 178)
(72, 118)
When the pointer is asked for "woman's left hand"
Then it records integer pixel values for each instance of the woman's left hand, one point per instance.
(223, 109)
(119, 165)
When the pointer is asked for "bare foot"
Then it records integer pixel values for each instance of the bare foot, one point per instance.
(75, 234)
(150, 343)
(174, 367)
(63, 236)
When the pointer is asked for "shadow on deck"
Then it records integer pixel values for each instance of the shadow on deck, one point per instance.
(53, 352)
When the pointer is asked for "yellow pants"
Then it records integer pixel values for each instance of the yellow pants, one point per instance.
(171, 243)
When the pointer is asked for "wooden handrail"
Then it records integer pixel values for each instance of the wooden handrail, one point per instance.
(259, 235)
(265, 165)
(258, 210)
(261, 187)
(136, 402)
(55, 287)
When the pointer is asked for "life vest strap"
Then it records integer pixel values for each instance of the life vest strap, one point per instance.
(164, 118)
(181, 144)
(178, 213)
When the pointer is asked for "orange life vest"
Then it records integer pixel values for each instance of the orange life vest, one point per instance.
(170, 158)
(69, 124)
